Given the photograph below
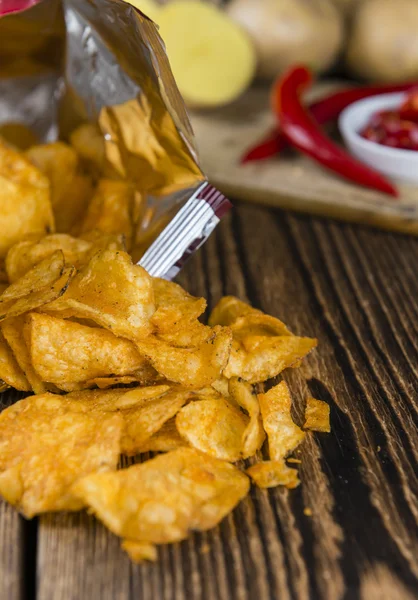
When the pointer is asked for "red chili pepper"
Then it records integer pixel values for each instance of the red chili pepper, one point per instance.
(325, 110)
(303, 133)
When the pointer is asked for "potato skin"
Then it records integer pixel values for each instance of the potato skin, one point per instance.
(286, 32)
(383, 45)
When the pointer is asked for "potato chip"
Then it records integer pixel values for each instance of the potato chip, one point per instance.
(111, 291)
(164, 440)
(245, 319)
(45, 447)
(317, 416)
(12, 330)
(41, 275)
(104, 241)
(70, 191)
(89, 143)
(174, 306)
(162, 499)
(138, 552)
(144, 409)
(31, 291)
(272, 473)
(17, 135)
(25, 205)
(253, 435)
(191, 367)
(106, 382)
(266, 357)
(23, 256)
(65, 352)
(111, 209)
(213, 426)
(189, 335)
(283, 434)
(10, 372)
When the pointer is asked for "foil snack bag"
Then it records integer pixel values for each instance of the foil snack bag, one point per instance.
(65, 63)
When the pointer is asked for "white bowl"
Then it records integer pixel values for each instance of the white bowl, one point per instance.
(394, 162)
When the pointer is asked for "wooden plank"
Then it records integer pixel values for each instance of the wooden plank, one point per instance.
(289, 181)
(13, 540)
(356, 290)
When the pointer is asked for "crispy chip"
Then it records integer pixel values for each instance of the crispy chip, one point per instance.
(37, 293)
(213, 426)
(164, 440)
(174, 306)
(45, 447)
(10, 372)
(64, 352)
(104, 383)
(191, 335)
(272, 473)
(160, 500)
(139, 552)
(70, 191)
(266, 357)
(192, 367)
(25, 205)
(245, 319)
(111, 209)
(104, 241)
(317, 416)
(41, 275)
(23, 256)
(111, 291)
(12, 330)
(254, 435)
(283, 434)
(144, 410)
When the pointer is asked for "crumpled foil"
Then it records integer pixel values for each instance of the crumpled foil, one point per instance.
(67, 62)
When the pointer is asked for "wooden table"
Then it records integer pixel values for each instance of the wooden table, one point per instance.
(350, 531)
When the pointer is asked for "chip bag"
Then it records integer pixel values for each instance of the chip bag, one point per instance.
(94, 74)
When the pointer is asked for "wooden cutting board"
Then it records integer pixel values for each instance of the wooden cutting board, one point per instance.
(290, 181)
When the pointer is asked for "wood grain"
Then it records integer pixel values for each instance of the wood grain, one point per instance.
(356, 290)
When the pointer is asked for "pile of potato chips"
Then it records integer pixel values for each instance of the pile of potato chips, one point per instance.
(121, 365)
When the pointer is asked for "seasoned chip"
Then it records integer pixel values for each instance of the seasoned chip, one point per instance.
(70, 191)
(272, 473)
(213, 426)
(317, 416)
(31, 292)
(254, 435)
(45, 447)
(24, 255)
(144, 410)
(25, 205)
(260, 358)
(104, 241)
(43, 274)
(12, 330)
(283, 434)
(65, 352)
(10, 372)
(106, 382)
(192, 367)
(111, 291)
(191, 335)
(139, 552)
(161, 500)
(164, 440)
(174, 306)
(244, 319)
(111, 209)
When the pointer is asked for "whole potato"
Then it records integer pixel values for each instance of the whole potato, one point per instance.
(286, 32)
(383, 44)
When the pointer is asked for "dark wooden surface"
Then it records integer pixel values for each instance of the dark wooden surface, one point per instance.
(357, 291)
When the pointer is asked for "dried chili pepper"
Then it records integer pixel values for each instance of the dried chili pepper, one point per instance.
(324, 111)
(303, 133)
